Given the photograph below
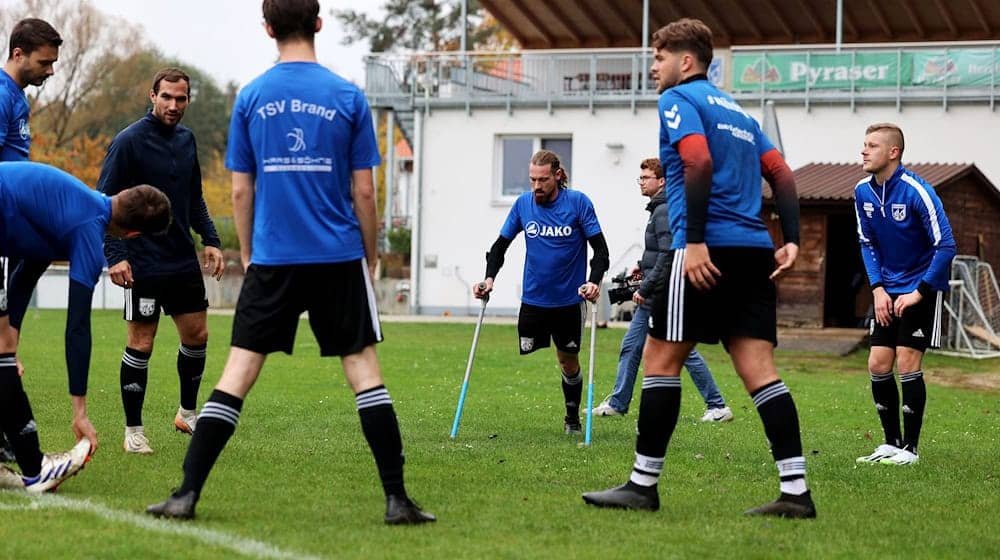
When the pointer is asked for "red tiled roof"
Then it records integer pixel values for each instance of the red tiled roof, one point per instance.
(836, 181)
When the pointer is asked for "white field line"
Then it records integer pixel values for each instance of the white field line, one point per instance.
(241, 545)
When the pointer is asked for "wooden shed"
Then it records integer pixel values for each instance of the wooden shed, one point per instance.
(828, 286)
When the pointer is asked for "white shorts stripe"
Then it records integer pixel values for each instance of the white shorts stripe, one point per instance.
(372, 307)
(675, 301)
(128, 304)
(936, 327)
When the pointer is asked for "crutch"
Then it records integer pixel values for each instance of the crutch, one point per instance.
(590, 374)
(468, 366)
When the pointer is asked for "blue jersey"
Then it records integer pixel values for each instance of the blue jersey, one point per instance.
(47, 214)
(15, 133)
(736, 144)
(301, 130)
(905, 236)
(555, 238)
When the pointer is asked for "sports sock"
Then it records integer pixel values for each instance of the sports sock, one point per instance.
(16, 419)
(659, 407)
(886, 398)
(134, 376)
(781, 425)
(914, 399)
(190, 367)
(381, 429)
(216, 425)
(572, 386)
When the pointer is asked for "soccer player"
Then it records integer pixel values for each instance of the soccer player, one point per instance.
(162, 271)
(652, 271)
(557, 223)
(301, 149)
(907, 247)
(722, 268)
(33, 50)
(50, 215)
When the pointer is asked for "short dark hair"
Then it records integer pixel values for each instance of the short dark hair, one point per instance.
(291, 19)
(171, 75)
(144, 209)
(30, 34)
(686, 34)
(653, 164)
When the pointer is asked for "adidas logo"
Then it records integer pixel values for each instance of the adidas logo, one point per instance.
(907, 409)
(133, 388)
(29, 428)
(881, 407)
(571, 344)
(919, 333)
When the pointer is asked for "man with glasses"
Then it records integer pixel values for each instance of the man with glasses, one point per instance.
(652, 271)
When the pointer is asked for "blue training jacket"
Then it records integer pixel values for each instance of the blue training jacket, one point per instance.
(906, 240)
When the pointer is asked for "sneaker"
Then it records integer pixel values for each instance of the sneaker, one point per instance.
(904, 457)
(10, 480)
(626, 496)
(185, 420)
(400, 510)
(787, 506)
(57, 467)
(572, 426)
(883, 451)
(605, 409)
(136, 441)
(175, 507)
(724, 414)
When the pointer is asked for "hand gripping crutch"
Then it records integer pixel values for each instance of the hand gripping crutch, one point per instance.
(590, 374)
(468, 366)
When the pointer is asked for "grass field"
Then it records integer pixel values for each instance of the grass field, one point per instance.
(297, 479)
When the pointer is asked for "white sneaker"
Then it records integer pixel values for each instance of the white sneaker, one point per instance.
(185, 420)
(724, 414)
(10, 480)
(604, 409)
(57, 467)
(136, 441)
(884, 451)
(904, 457)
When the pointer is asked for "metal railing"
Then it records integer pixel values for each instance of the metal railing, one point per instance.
(959, 73)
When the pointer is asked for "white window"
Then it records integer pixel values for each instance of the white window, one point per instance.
(513, 155)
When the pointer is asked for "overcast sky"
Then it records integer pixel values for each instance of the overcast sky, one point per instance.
(226, 38)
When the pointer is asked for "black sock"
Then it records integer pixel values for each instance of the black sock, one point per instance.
(381, 429)
(914, 399)
(781, 425)
(572, 386)
(886, 398)
(16, 419)
(190, 368)
(216, 424)
(134, 376)
(659, 407)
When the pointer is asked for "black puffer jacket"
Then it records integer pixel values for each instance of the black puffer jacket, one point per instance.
(654, 257)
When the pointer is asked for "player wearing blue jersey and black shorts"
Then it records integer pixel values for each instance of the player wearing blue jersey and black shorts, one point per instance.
(557, 223)
(162, 272)
(46, 215)
(301, 149)
(722, 268)
(32, 52)
(907, 247)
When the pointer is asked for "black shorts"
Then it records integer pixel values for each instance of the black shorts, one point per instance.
(338, 296)
(743, 302)
(564, 325)
(919, 327)
(177, 294)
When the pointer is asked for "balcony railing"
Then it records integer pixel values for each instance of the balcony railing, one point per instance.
(965, 73)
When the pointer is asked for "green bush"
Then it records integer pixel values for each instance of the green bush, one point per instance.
(399, 241)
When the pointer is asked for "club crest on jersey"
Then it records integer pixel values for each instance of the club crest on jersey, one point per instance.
(673, 117)
(147, 306)
(869, 209)
(899, 212)
(534, 229)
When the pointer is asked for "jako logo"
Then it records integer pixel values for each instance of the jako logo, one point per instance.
(533, 229)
